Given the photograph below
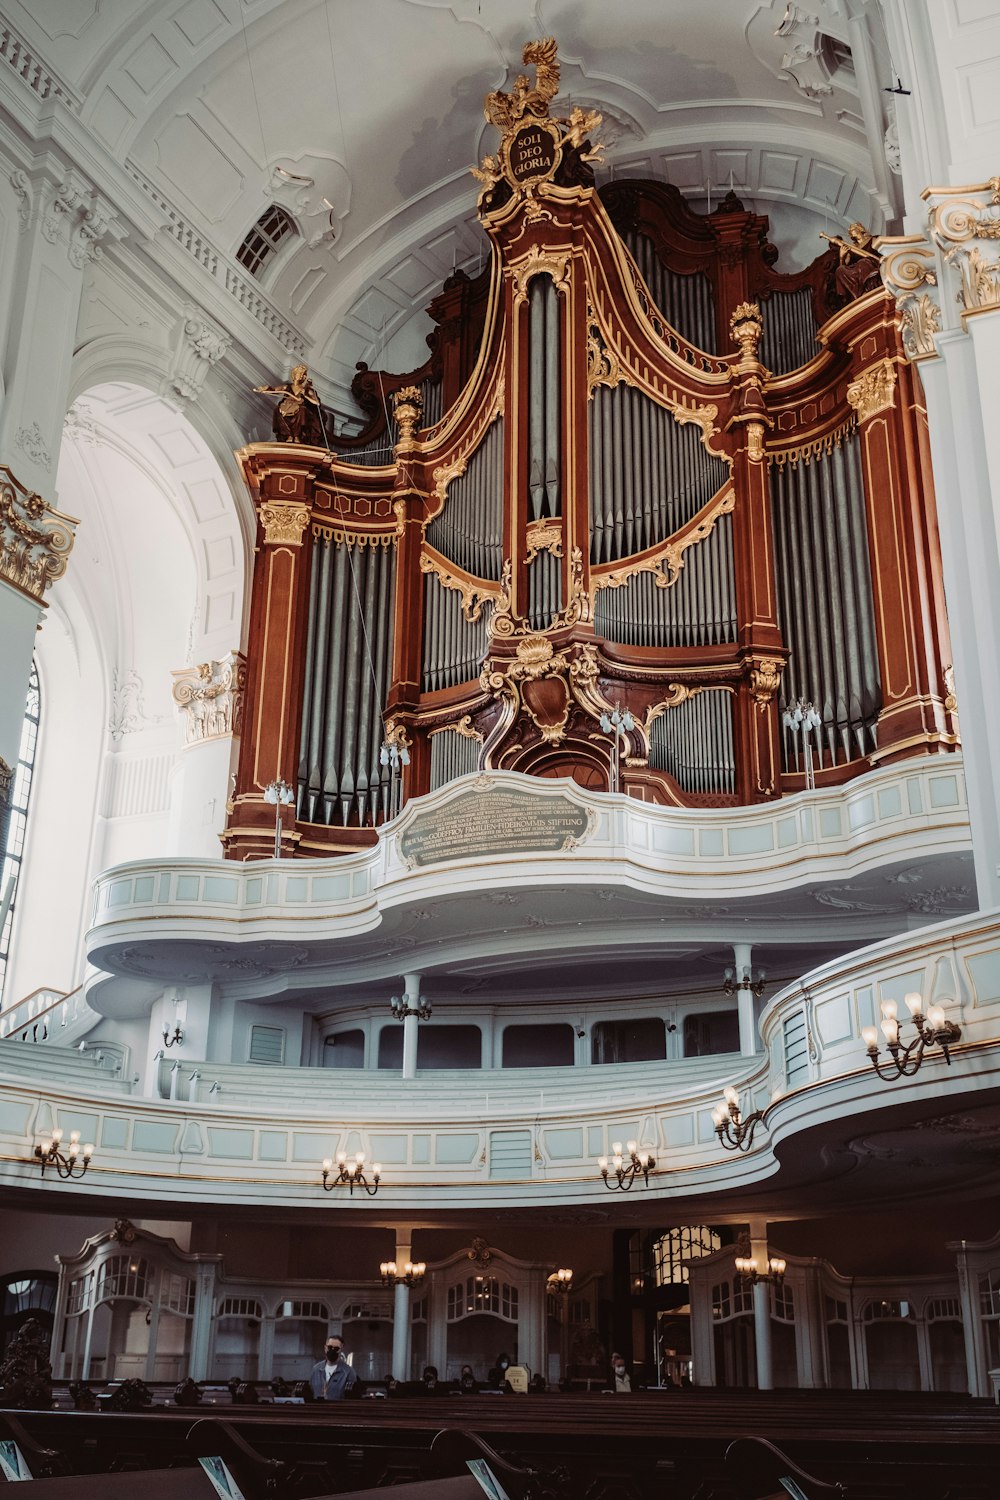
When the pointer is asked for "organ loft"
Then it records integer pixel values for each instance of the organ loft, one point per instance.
(647, 494)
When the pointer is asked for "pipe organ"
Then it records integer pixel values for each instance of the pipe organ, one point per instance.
(641, 469)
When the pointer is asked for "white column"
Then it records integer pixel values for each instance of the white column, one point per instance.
(762, 1308)
(401, 1311)
(808, 1305)
(265, 1349)
(531, 1323)
(744, 1001)
(201, 1326)
(437, 1324)
(975, 1359)
(967, 488)
(702, 1329)
(411, 999)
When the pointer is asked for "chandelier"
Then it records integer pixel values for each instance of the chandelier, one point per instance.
(560, 1281)
(751, 979)
(278, 794)
(746, 1267)
(72, 1162)
(932, 1030)
(639, 1164)
(353, 1173)
(401, 1007)
(735, 1133)
(412, 1274)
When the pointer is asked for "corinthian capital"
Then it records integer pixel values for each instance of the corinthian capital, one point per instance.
(211, 696)
(909, 274)
(964, 224)
(35, 541)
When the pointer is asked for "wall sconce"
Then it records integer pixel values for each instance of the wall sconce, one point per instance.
(802, 718)
(560, 1281)
(278, 794)
(746, 1267)
(752, 980)
(933, 1030)
(639, 1164)
(72, 1163)
(174, 1039)
(336, 1172)
(412, 1274)
(735, 1133)
(401, 1008)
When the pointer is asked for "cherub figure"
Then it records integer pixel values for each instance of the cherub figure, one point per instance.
(298, 415)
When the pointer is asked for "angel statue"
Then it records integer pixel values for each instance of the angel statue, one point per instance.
(298, 416)
(857, 263)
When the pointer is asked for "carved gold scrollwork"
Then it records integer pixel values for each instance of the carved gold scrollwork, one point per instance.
(538, 262)
(874, 390)
(284, 522)
(463, 727)
(964, 224)
(603, 365)
(746, 326)
(677, 693)
(579, 609)
(765, 679)
(35, 540)
(950, 701)
(665, 564)
(475, 592)
(537, 661)
(211, 696)
(543, 536)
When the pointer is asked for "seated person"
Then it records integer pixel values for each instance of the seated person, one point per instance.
(467, 1382)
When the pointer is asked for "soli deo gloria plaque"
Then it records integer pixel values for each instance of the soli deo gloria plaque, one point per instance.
(494, 820)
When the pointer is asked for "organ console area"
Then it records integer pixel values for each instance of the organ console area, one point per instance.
(642, 470)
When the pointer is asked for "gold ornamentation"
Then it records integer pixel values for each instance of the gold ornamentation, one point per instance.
(531, 143)
(395, 734)
(474, 592)
(579, 609)
(964, 224)
(543, 536)
(35, 540)
(908, 268)
(817, 448)
(874, 390)
(765, 679)
(677, 693)
(665, 564)
(575, 668)
(284, 522)
(443, 474)
(212, 696)
(755, 441)
(746, 327)
(951, 701)
(535, 263)
(463, 727)
(603, 365)
(407, 408)
(328, 533)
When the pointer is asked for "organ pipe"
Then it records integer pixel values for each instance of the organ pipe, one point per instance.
(469, 530)
(789, 338)
(649, 474)
(687, 302)
(544, 399)
(825, 601)
(452, 755)
(694, 743)
(544, 590)
(347, 676)
(698, 610)
(453, 649)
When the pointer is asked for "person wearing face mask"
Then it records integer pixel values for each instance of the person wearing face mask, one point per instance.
(332, 1377)
(621, 1380)
(497, 1378)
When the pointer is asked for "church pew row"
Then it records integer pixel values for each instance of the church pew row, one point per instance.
(640, 1447)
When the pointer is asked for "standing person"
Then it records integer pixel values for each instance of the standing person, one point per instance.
(332, 1377)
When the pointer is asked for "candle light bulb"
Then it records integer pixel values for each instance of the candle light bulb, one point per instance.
(57, 1136)
(632, 1147)
(914, 1002)
(88, 1150)
(616, 1148)
(869, 1035)
(327, 1163)
(891, 1030)
(74, 1137)
(935, 1017)
(377, 1169)
(730, 1095)
(602, 1162)
(889, 1010)
(341, 1158)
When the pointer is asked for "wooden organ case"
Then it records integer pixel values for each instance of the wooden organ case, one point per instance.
(641, 470)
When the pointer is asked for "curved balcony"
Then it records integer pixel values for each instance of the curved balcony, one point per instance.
(287, 926)
(449, 1142)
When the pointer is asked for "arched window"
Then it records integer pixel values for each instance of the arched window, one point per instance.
(274, 225)
(17, 822)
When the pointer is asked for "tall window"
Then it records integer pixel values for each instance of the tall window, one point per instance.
(10, 866)
(264, 238)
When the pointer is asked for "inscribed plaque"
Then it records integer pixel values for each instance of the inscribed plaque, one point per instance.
(497, 820)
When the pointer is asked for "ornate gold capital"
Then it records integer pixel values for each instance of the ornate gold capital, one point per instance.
(211, 696)
(874, 390)
(284, 522)
(964, 224)
(35, 540)
(539, 262)
(908, 268)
